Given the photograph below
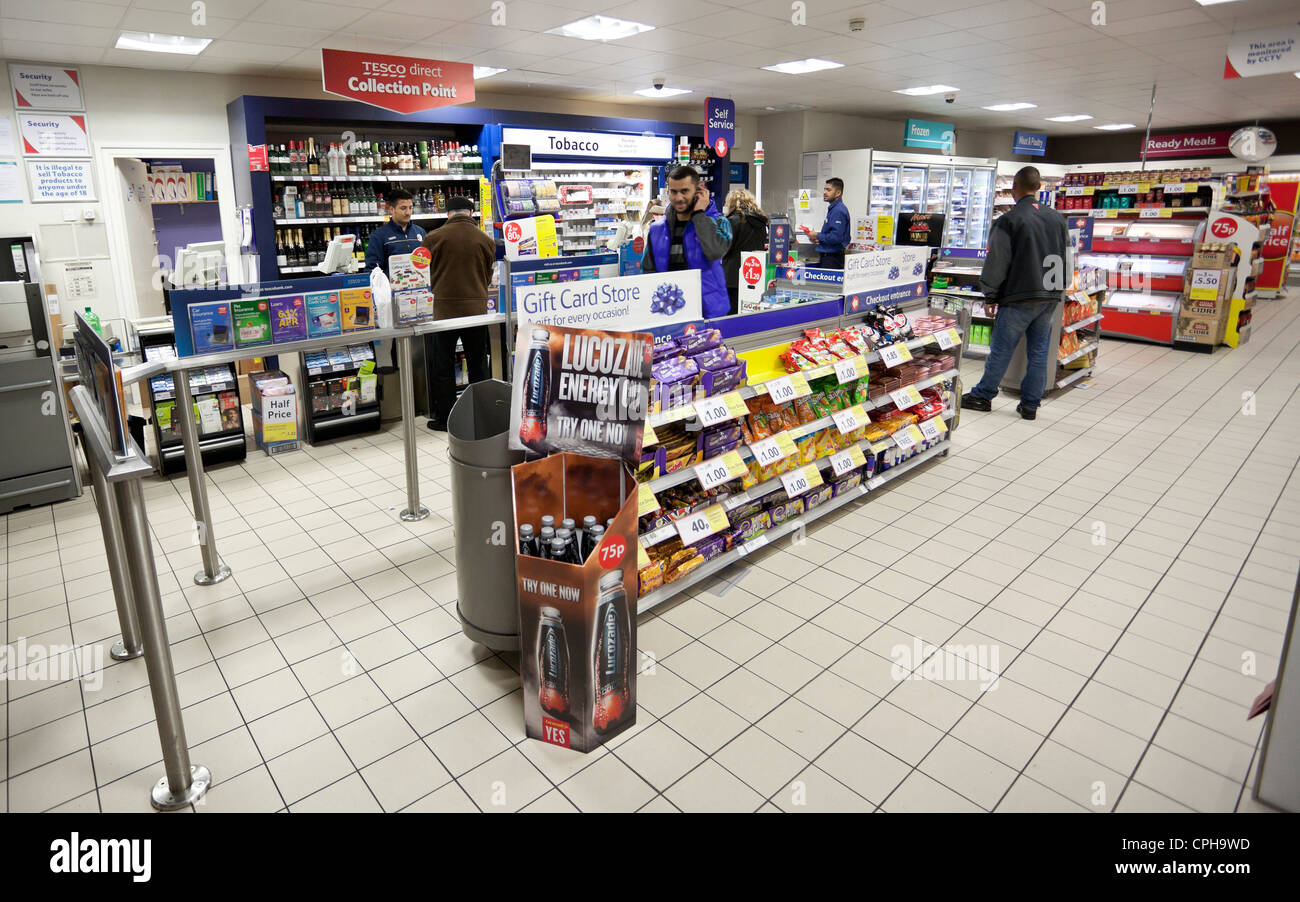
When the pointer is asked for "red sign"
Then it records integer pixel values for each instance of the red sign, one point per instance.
(1189, 144)
(1277, 249)
(612, 551)
(1224, 227)
(257, 161)
(752, 271)
(402, 84)
(513, 232)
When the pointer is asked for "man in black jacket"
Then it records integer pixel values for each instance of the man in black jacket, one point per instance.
(1025, 274)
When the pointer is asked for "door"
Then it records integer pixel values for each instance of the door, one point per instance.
(884, 191)
(958, 207)
(911, 188)
(981, 208)
(138, 231)
(936, 190)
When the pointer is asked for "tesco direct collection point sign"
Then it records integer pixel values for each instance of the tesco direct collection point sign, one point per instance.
(402, 84)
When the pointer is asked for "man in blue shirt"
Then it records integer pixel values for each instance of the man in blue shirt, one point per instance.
(834, 236)
(397, 236)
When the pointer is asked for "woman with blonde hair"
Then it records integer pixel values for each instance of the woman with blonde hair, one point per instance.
(749, 233)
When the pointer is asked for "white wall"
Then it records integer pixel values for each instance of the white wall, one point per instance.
(141, 107)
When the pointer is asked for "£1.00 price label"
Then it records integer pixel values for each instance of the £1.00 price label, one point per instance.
(1174, 188)
(1075, 191)
(646, 502)
(893, 355)
(848, 420)
(849, 459)
(1149, 213)
(947, 338)
(702, 524)
(850, 369)
(712, 472)
(781, 390)
(766, 452)
(796, 482)
(906, 397)
(712, 411)
(1128, 189)
(933, 428)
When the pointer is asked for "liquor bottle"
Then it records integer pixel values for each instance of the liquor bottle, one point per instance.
(424, 156)
(281, 255)
(408, 157)
(477, 161)
(300, 206)
(610, 654)
(313, 161)
(350, 162)
(443, 162)
(277, 207)
(336, 203)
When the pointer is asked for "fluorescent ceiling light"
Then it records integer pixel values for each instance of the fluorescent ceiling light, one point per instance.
(803, 67)
(1214, 2)
(1115, 126)
(661, 92)
(925, 90)
(600, 28)
(161, 43)
(1011, 107)
(1079, 117)
(786, 107)
(486, 72)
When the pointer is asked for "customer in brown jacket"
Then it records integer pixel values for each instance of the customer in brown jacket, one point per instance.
(460, 270)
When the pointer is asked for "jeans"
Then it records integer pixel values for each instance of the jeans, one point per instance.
(442, 364)
(1033, 320)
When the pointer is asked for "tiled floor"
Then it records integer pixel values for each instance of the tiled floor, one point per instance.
(1125, 565)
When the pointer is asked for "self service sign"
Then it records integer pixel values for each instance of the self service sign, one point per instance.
(402, 84)
(719, 124)
(1031, 144)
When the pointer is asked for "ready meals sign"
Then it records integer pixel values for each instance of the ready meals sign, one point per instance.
(1189, 144)
(402, 84)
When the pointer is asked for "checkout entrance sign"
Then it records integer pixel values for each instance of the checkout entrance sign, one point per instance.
(402, 84)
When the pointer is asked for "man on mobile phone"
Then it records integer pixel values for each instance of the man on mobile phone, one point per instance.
(834, 236)
(694, 235)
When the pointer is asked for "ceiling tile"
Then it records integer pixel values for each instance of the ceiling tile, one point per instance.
(17, 31)
(61, 53)
(94, 14)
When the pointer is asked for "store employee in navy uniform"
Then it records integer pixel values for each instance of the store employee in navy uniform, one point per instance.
(397, 236)
(834, 236)
(694, 235)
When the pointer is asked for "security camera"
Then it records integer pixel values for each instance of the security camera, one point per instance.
(949, 98)
(857, 24)
(658, 82)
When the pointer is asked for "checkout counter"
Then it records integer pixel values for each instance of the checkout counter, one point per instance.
(37, 465)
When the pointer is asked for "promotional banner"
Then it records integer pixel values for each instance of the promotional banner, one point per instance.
(1276, 250)
(625, 302)
(753, 282)
(54, 135)
(402, 84)
(884, 277)
(558, 143)
(45, 87)
(935, 135)
(581, 390)
(1263, 52)
(719, 124)
(1032, 144)
(778, 240)
(60, 181)
(1188, 144)
(531, 237)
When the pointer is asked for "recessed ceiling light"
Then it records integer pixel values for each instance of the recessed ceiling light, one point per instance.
(925, 90)
(1115, 126)
(786, 108)
(803, 67)
(1214, 2)
(661, 92)
(486, 72)
(1011, 107)
(161, 43)
(1078, 117)
(600, 28)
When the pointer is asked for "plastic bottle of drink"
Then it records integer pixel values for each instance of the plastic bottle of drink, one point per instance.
(610, 654)
(552, 663)
(537, 375)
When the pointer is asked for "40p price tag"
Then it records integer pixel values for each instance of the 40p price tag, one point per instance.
(895, 354)
(702, 524)
(849, 459)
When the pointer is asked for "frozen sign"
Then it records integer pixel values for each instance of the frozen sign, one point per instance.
(884, 277)
(56, 181)
(1263, 52)
(627, 302)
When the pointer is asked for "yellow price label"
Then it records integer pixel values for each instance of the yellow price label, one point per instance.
(915, 433)
(955, 336)
(1089, 190)
(642, 559)
(800, 383)
(735, 404)
(279, 432)
(856, 455)
(893, 355)
(785, 443)
(1104, 214)
(646, 502)
(1166, 213)
(735, 466)
(814, 475)
(648, 437)
(717, 517)
(940, 425)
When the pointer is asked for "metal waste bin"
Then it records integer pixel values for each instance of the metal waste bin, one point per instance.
(482, 508)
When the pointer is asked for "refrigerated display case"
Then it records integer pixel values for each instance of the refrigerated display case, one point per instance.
(959, 187)
(911, 190)
(884, 191)
(936, 190)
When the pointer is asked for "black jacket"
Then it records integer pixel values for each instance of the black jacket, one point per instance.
(1028, 255)
(748, 233)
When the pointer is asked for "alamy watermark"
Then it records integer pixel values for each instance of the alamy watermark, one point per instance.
(950, 663)
(55, 663)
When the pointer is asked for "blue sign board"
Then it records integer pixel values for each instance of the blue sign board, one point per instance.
(719, 124)
(1031, 144)
(935, 135)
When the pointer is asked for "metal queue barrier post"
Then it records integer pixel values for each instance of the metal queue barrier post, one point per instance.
(406, 379)
(119, 574)
(184, 783)
(214, 571)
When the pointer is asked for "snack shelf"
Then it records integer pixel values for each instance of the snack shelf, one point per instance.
(1086, 349)
(686, 474)
(1074, 327)
(1074, 377)
(708, 569)
(686, 411)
